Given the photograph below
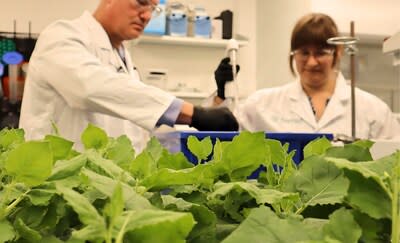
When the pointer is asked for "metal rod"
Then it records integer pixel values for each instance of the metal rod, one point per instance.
(353, 80)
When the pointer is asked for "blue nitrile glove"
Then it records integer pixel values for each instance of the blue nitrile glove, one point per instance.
(223, 74)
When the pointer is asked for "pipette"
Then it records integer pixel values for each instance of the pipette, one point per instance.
(232, 88)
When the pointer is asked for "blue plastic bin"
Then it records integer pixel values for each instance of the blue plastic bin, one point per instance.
(177, 141)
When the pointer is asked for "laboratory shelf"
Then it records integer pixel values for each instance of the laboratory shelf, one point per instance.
(189, 94)
(187, 41)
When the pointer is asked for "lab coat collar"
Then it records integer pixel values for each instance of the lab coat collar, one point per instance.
(100, 36)
(342, 89)
(300, 104)
(101, 39)
(336, 107)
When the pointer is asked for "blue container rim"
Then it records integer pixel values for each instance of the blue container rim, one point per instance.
(271, 135)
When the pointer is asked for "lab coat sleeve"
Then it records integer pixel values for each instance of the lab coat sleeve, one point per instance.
(65, 63)
(386, 126)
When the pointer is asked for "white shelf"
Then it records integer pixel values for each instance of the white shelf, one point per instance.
(188, 94)
(186, 41)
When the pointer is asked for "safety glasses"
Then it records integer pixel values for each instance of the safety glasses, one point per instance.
(320, 55)
(148, 5)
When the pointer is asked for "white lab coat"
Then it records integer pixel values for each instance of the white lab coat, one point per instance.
(287, 109)
(75, 77)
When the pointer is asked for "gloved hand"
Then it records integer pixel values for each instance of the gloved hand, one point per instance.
(223, 74)
(213, 119)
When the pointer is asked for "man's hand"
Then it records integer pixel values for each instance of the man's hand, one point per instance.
(213, 119)
(223, 74)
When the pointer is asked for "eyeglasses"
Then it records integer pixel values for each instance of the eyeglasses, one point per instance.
(319, 54)
(148, 5)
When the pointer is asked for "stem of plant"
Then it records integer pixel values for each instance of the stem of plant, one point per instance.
(395, 201)
(14, 203)
(121, 232)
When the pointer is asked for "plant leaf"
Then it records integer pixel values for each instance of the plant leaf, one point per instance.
(316, 147)
(30, 162)
(10, 138)
(201, 149)
(106, 186)
(60, 147)
(352, 152)
(263, 225)
(86, 211)
(342, 227)
(7, 232)
(318, 182)
(121, 152)
(149, 226)
(94, 137)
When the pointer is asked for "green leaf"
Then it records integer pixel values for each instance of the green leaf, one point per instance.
(277, 152)
(41, 197)
(94, 137)
(176, 161)
(7, 232)
(239, 164)
(352, 152)
(261, 196)
(32, 216)
(201, 149)
(262, 225)
(367, 196)
(60, 147)
(10, 138)
(149, 226)
(342, 227)
(316, 147)
(371, 229)
(87, 213)
(155, 148)
(90, 232)
(109, 167)
(116, 205)
(318, 182)
(143, 165)
(66, 168)
(364, 143)
(165, 178)
(204, 230)
(121, 152)
(26, 232)
(372, 169)
(106, 186)
(30, 162)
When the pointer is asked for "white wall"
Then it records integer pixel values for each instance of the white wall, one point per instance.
(39, 12)
(275, 21)
(194, 66)
(374, 17)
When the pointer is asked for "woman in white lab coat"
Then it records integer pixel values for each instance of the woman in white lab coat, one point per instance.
(81, 73)
(319, 100)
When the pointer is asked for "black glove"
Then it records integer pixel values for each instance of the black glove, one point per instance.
(214, 119)
(223, 74)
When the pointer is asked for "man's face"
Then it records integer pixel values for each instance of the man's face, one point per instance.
(130, 17)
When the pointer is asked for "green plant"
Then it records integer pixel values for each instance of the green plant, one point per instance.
(106, 193)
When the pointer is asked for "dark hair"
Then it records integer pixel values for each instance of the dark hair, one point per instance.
(313, 29)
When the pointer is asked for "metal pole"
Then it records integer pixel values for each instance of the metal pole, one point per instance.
(353, 81)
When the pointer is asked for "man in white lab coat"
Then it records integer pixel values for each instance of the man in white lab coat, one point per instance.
(80, 72)
(320, 99)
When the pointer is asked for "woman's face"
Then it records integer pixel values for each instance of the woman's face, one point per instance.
(314, 65)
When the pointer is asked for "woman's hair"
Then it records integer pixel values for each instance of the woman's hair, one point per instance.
(313, 29)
